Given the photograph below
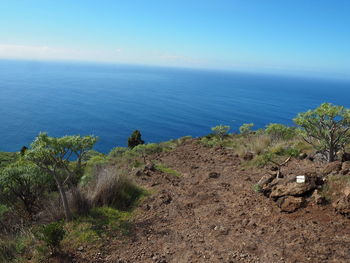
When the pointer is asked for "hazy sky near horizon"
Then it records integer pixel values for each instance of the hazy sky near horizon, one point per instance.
(271, 35)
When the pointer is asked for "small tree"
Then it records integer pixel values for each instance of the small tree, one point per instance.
(22, 185)
(52, 234)
(135, 139)
(221, 131)
(326, 128)
(55, 156)
(246, 128)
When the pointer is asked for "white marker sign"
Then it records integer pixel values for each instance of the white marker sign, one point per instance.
(301, 179)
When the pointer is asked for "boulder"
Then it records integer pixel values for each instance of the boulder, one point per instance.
(291, 188)
(290, 204)
(333, 167)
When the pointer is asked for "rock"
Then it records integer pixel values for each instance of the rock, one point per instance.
(317, 157)
(150, 166)
(214, 175)
(342, 205)
(344, 157)
(333, 167)
(81, 248)
(317, 199)
(266, 179)
(138, 172)
(302, 156)
(248, 156)
(274, 168)
(346, 165)
(290, 204)
(288, 187)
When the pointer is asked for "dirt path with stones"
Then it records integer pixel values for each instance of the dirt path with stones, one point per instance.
(211, 214)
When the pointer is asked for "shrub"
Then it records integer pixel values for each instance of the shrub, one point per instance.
(135, 139)
(112, 189)
(246, 128)
(326, 128)
(22, 185)
(7, 250)
(221, 131)
(52, 234)
(55, 156)
(145, 149)
(280, 131)
(117, 152)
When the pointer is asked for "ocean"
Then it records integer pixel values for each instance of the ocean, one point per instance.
(110, 101)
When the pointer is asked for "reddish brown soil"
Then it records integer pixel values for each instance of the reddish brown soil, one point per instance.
(194, 218)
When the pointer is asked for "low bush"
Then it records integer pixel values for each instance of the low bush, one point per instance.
(280, 132)
(221, 131)
(52, 234)
(115, 190)
(246, 129)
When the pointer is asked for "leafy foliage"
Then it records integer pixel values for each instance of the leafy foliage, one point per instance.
(280, 132)
(55, 156)
(221, 131)
(246, 128)
(22, 185)
(326, 128)
(52, 234)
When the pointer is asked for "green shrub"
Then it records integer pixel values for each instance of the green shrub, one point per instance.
(135, 139)
(280, 131)
(221, 131)
(117, 152)
(52, 234)
(327, 128)
(246, 128)
(7, 250)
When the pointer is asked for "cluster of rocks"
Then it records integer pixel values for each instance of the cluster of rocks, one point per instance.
(291, 192)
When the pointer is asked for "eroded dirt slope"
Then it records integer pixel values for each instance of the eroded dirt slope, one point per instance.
(212, 214)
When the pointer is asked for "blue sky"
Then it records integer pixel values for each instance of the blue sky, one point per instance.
(310, 36)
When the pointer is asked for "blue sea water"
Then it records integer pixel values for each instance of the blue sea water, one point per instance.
(111, 101)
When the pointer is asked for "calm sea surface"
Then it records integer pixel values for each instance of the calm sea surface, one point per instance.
(111, 101)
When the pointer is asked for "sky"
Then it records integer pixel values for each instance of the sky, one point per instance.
(309, 36)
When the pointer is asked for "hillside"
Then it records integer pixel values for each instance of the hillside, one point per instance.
(212, 214)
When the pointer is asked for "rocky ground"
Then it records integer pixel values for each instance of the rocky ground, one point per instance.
(212, 214)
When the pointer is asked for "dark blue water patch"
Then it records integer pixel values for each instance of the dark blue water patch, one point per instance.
(110, 101)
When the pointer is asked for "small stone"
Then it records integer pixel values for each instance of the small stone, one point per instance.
(81, 248)
(214, 175)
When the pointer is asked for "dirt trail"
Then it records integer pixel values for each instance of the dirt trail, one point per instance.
(219, 218)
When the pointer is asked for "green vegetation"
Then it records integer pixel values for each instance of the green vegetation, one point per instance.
(135, 139)
(246, 128)
(52, 234)
(22, 185)
(54, 156)
(163, 168)
(326, 128)
(63, 178)
(221, 131)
